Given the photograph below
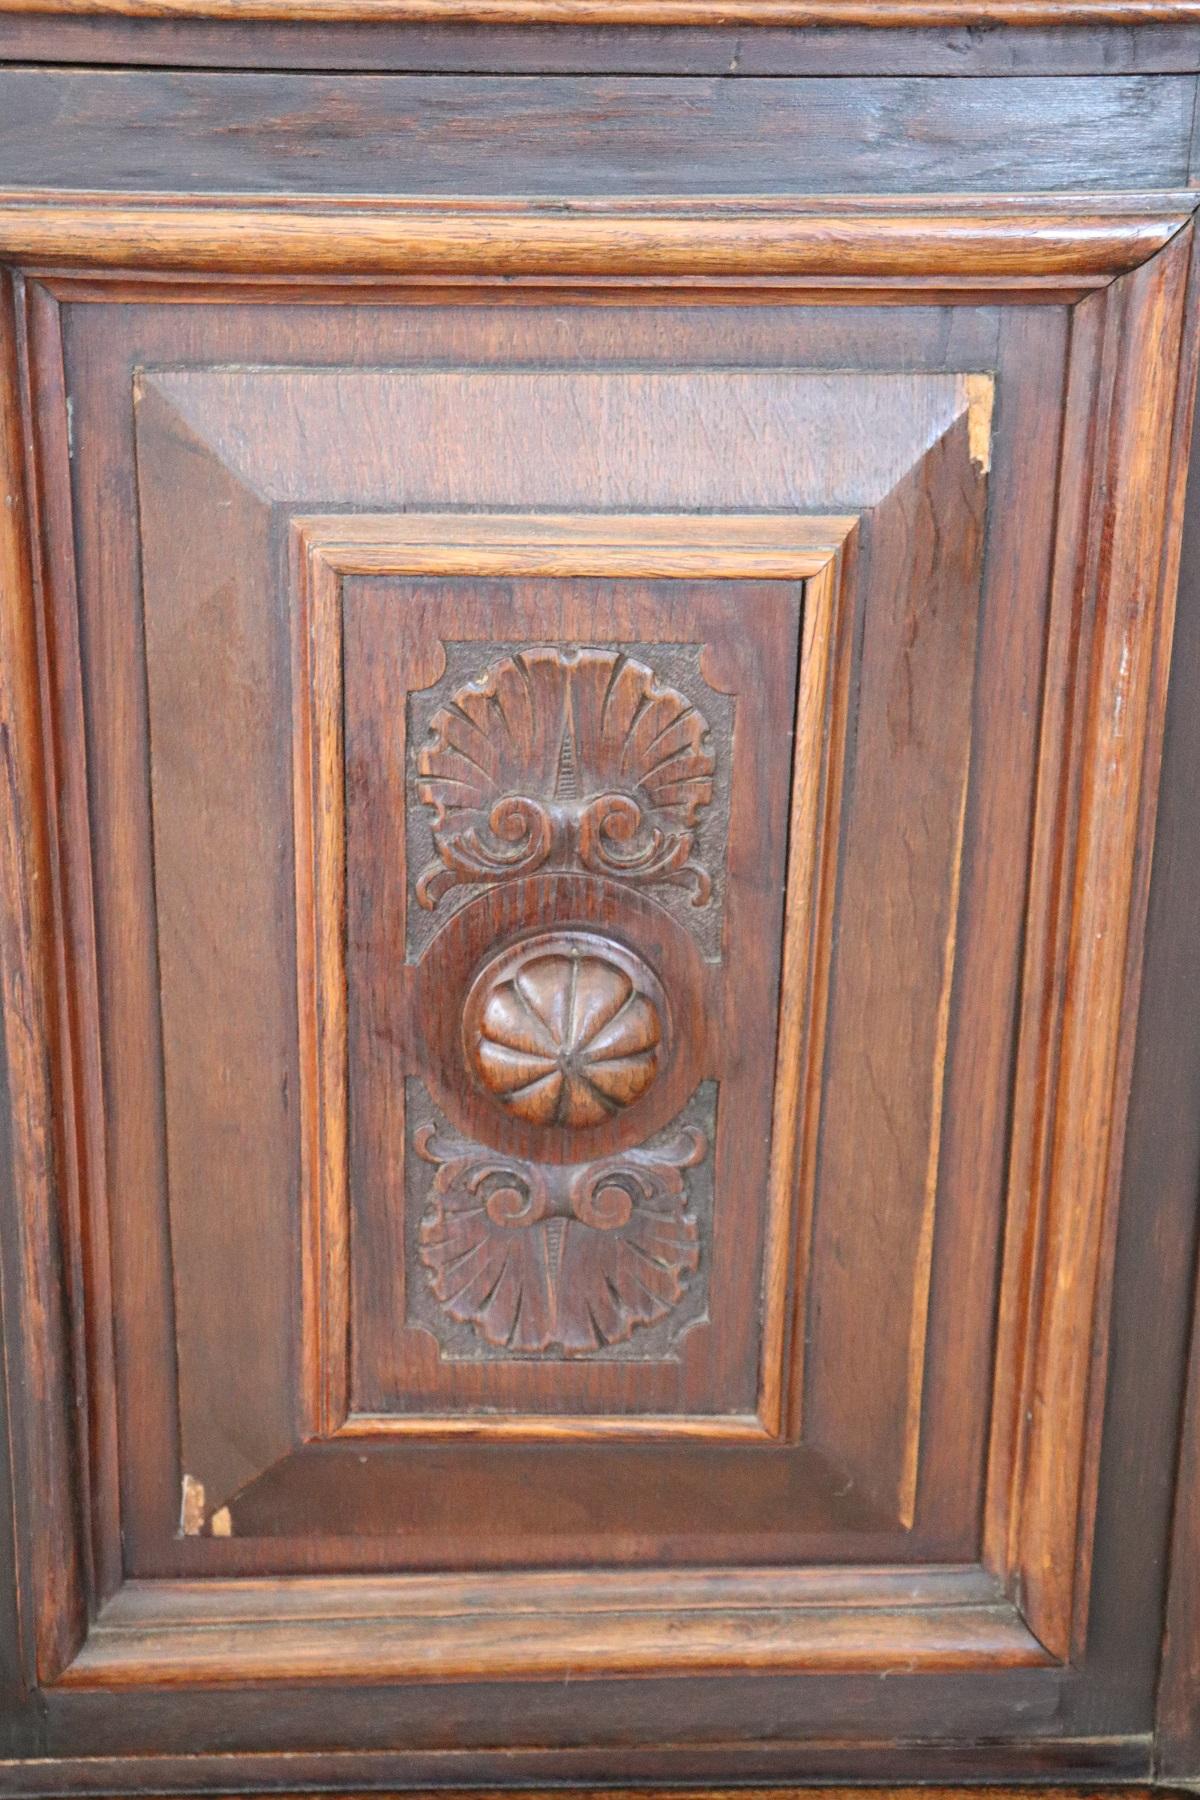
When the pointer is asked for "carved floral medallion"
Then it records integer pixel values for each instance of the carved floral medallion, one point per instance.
(536, 1257)
(558, 758)
(566, 1029)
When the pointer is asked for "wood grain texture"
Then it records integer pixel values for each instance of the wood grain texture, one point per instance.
(1069, 1760)
(604, 612)
(964, 250)
(459, 1629)
(30, 928)
(1162, 1166)
(223, 877)
(567, 136)
(645, 546)
(876, 1187)
(290, 481)
(1030, 1704)
(374, 46)
(889, 14)
(1126, 592)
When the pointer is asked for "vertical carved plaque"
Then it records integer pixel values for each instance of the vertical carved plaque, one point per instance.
(552, 759)
(564, 1012)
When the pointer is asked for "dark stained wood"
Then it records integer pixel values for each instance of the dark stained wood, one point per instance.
(974, 1143)
(368, 46)
(367, 444)
(717, 1766)
(563, 136)
(1103, 825)
(422, 1627)
(703, 931)
(893, 972)
(223, 871)
(50, 1579)
(1163, 1165)
(985, 14)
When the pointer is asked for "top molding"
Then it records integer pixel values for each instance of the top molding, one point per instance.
(893, 14)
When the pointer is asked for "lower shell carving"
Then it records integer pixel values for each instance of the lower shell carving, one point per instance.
(536, 1258)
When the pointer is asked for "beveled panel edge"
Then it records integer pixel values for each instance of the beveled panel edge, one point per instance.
(720, 1428)
(1130, 403)
(811, 886)
(549, 1624)
(326, 549)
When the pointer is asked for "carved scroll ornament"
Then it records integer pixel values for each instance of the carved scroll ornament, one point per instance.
(557, 758)
(535, 1257)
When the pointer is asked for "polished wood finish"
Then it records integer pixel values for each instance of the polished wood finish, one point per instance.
(654, 12)
(582, 696)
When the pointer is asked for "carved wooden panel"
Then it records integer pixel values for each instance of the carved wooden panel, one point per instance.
(557, 1209)
(652, 643)
(570, 758)
(592, 874)
(375, 1305)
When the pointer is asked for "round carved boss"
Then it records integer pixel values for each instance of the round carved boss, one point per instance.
(565, 1029)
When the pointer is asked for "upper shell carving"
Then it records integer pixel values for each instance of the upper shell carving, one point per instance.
(567, 758)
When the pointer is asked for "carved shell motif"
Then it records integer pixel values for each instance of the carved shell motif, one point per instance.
(580, 758)
(535, 1257)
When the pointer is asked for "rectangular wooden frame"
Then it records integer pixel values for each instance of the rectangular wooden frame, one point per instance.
(1110, 641)
(645, 546)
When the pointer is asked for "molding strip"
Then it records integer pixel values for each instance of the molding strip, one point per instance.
(751, 239)
(955, 15)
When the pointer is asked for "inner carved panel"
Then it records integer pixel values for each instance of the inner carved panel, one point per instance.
(565, 871)
(555, 759)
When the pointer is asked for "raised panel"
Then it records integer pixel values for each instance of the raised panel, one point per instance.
(563, 747)
(893, 968)
(392, 1113)
(808, 1515)
(452, 798)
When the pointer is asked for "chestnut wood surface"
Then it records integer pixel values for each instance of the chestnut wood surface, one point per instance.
(595, 909)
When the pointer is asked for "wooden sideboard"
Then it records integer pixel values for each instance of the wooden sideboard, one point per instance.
(599, 894)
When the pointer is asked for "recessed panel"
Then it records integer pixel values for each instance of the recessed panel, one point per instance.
(557, 918)
(564, 906)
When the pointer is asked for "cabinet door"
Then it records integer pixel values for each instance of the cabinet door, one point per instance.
(576, 861)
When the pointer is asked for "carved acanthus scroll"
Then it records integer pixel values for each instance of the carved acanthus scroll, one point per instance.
(536, 1257)
(559, 758)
